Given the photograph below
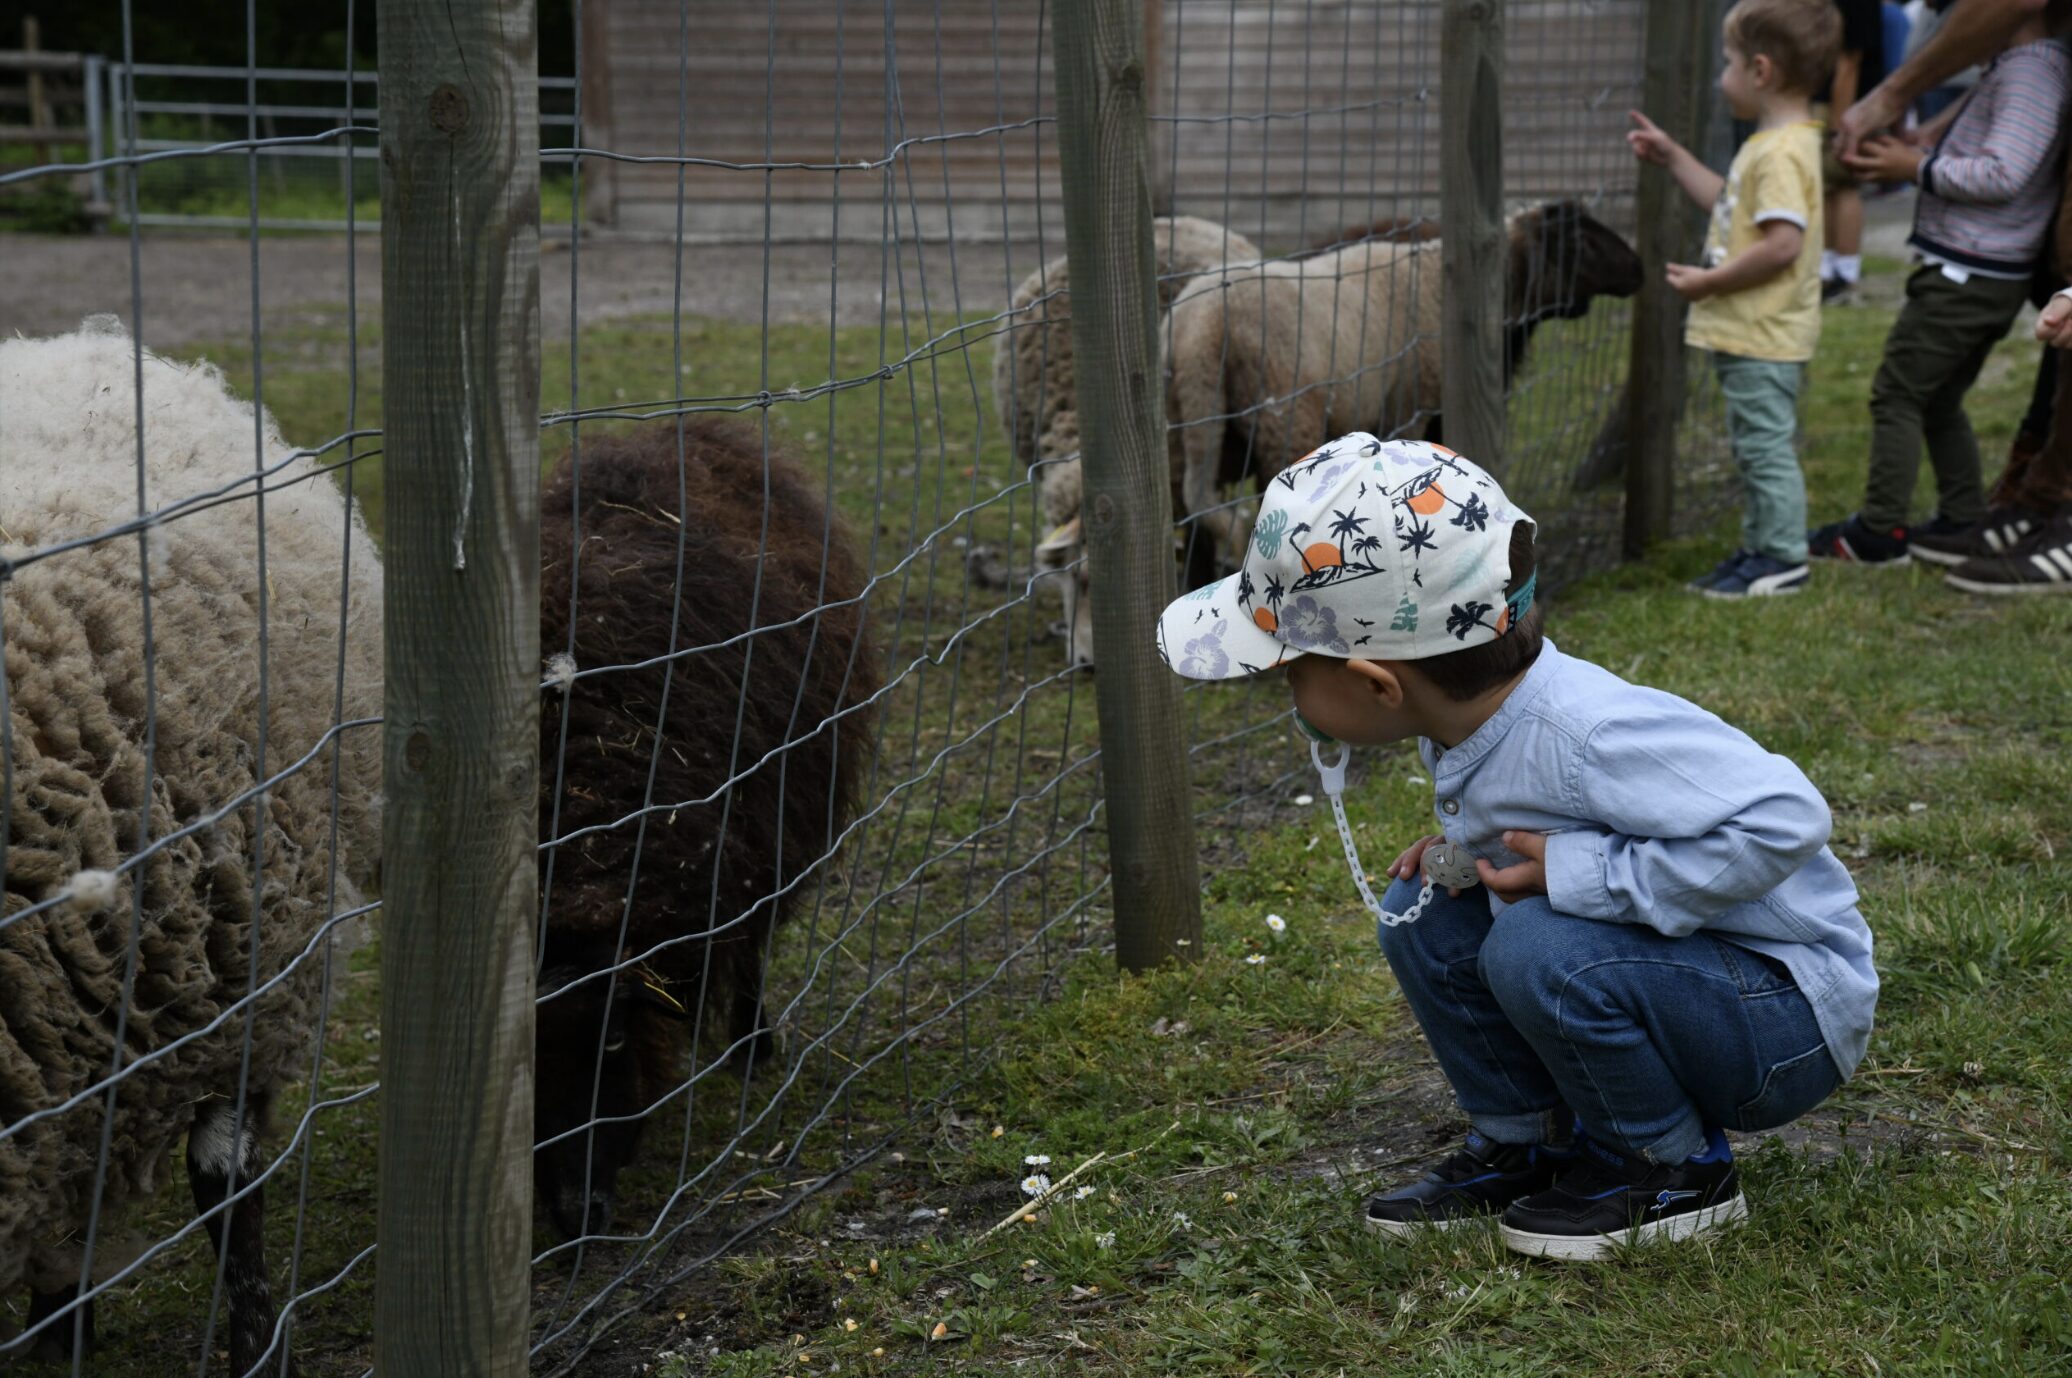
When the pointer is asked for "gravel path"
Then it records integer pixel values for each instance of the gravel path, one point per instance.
(196, 288)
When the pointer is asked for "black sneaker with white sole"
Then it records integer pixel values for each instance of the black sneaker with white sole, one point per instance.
(1608, 1200)
(1478, 1179)
(2041, 563)
(1941, 543)
(1850, 539)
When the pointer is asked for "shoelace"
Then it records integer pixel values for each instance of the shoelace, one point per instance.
(1437, 862)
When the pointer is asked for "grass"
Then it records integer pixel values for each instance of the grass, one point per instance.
(1919, 1223)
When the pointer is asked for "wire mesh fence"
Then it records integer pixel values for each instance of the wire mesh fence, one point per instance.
(821, 796)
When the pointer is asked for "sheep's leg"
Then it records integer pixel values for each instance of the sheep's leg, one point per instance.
(745, 1019)
(55, 1344)
(222, 1151)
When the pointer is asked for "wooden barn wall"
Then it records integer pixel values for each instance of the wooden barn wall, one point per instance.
(1288, 118)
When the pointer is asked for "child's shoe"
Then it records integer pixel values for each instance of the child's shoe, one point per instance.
(1479, 1179)
(1945, 543)
(1720, 571)
(1759, 576)
(1610, 1199)
(1850, 539)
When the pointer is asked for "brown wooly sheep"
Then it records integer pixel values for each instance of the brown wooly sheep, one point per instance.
(1034, 394)
(1267, 363)
(719, 867)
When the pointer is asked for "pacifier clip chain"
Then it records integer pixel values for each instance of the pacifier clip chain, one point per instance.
(1443, 862)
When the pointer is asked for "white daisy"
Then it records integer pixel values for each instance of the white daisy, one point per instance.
(1276, 923)
(1082, 1193)
(1105, 1241)
(1037, 1160)
(1255, 959)
(1035, 1184)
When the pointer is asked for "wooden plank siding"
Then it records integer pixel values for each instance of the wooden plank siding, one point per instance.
(1287, 118)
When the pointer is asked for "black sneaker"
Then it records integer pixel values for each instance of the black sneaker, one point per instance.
(1850, 539)
(1944, 543)
(2041, 563)
(1837, 291)
(1722, 570)
(1609, 1199)
(1479, 1179)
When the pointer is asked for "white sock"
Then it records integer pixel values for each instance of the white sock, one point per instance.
(1827, 264)
(1850, 267)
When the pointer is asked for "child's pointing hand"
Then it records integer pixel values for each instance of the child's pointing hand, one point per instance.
(1528, 877)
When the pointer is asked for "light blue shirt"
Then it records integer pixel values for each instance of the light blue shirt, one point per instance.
(1661, 814)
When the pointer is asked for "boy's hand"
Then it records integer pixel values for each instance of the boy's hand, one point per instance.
(1886, 160)
(1528, 877)
(2054, 322)
(1648, 142)
(1409, 865)
(1691, 282)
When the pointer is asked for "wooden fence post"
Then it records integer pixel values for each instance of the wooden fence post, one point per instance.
(1098, 56)
(1471, 221)
(460, 359)
(1674, 86)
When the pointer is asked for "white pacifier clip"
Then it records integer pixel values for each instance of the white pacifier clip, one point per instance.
(1444, 863)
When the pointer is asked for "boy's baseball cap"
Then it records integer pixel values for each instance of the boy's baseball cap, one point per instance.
(1365, 549)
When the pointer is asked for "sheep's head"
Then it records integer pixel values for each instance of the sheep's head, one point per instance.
(603, 1049)
(1062, 556)
(1561, 258)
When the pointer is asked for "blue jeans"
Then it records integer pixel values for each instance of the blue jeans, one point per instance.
(1647, 1039)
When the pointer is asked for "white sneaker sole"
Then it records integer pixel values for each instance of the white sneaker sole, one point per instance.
(1766, 587)
(1404, 1229)
(1586, 1247)
(2003, 590)
(1948, 559)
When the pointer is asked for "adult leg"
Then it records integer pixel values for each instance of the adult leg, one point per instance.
(2030, 435)
(1762, 416)
(2046, 484)
(1497, 1077)
(1982, 310)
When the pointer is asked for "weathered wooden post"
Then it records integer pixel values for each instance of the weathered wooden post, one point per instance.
(1098, 55)
(460, 360)
(1674, 84)
(1471, 222)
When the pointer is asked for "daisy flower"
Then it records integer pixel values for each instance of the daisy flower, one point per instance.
(1276, 923)
(1105, 1240)
(1035, 1184)
(1255, 959)
(1082, 1193)
(1037, 1160)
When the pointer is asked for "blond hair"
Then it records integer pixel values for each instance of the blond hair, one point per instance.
(1801, 38)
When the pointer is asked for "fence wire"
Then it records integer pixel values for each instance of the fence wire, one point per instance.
(821, 777)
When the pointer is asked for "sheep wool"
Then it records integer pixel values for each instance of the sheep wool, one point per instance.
(80, 786)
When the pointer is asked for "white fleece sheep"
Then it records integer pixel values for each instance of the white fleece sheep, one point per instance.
(1033, 387)
(73, 634)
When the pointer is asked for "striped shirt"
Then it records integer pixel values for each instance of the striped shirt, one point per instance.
(1990, 187)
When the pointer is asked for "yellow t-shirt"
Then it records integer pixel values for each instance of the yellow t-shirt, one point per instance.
(1775, 176)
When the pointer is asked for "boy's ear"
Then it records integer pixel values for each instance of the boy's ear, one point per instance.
(1761, 70)
(1384, 681)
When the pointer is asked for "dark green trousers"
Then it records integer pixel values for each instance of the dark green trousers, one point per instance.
(1932, 357)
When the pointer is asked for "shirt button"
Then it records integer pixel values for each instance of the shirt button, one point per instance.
(1451, 806)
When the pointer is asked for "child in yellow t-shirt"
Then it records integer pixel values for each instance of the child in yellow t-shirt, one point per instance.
(1756, 300)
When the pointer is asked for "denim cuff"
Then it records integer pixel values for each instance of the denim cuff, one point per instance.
(1555, 1126)
(1686, 1139)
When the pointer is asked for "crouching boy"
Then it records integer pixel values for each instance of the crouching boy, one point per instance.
(1653, 944)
